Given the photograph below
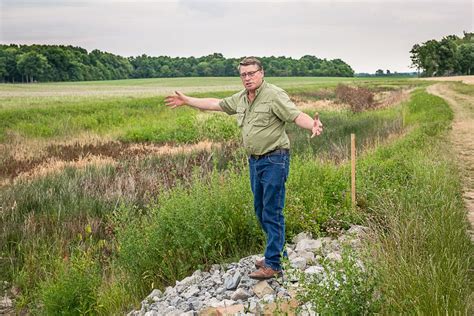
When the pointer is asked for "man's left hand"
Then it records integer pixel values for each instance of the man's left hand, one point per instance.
(317, 126)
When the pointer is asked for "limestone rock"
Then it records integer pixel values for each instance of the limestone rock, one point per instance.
(298, 263)
(232, 282)
(301, 236)
(309, 245)
(240, 294)
(314, 270)
(227, 289)
(191, 291)
(308, 255)
(154, 296)
(230, 310)
(262, 288)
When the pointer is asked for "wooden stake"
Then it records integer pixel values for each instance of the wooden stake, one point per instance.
(353, 170)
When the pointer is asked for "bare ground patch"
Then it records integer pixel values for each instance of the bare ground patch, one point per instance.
(465, 79)
(18, 165)
(462, 138)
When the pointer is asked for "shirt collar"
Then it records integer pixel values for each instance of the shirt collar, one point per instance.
(257, 91)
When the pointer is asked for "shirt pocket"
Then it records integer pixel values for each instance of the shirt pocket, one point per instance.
(240, 116)
(262, 114)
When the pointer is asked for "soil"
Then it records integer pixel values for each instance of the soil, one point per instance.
(462, 138)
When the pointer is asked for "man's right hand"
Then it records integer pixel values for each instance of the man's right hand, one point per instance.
(173, 101)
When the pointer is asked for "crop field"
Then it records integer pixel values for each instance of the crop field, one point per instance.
(106, 193)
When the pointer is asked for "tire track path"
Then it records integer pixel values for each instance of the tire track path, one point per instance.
(462, 138)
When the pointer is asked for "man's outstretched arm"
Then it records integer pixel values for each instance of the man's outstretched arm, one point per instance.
(206, 104)
(314, 125)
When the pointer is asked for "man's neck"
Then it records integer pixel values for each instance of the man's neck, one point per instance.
(251, 94)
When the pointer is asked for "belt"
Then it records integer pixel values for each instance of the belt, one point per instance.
(276, 151)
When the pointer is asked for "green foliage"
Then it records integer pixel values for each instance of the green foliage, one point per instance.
(420, 253)
(449, 56)
(211, 221)
(412, 194)
(32, 65)
(420, 110)
(317, 192)
(67, 63)
(72, 290)
(371, 129)
(91, 115)
(423, 253)
(218, 128)
(463, 88)
(347, 287)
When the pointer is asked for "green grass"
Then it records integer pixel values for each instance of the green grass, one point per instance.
(420, 253)
(97, 240)
(463, 88)
(132, 118)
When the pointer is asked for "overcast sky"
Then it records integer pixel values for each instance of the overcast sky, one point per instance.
(367, 34)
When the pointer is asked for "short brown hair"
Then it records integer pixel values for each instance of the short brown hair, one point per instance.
(250, 61)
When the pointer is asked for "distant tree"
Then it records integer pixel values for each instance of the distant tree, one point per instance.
(204, 69)
(165, 71)
(465, 58)
(3, 68)
(10, 53)
(32, 65)
(387, 72)
(449, 56)
(68, 63)
(218, 68)
(379, 72)
(446, 55)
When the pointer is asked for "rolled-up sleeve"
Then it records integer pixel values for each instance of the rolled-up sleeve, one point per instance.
(229, 104)
(284, 108)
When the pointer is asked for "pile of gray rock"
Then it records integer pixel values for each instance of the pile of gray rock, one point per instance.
(227, 290)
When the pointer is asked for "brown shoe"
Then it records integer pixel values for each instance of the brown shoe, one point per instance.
(259, 263)
(264, 273)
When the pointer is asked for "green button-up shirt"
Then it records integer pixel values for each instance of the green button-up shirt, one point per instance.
(262, 122)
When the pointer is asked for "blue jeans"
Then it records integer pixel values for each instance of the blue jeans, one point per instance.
(268, 175)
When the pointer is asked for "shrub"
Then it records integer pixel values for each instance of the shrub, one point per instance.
(358, 98)
(344, 288)
(190, 228)
(73, 290)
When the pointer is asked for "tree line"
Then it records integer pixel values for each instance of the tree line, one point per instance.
(40, 63)
(452, 55)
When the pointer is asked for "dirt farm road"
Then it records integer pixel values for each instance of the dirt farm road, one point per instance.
(462, 138)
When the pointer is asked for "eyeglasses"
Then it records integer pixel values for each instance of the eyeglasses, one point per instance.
(251, 74)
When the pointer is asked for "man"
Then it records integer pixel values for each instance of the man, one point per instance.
(262, 110)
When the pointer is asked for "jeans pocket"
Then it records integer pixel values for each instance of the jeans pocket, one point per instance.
(277, 159)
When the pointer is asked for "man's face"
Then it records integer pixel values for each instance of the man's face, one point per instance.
(251, 77)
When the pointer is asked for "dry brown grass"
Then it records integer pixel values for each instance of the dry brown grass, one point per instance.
(19, 164)
(390, 98)
(328, 105)
(53, 165)
(358, 98)
(465, 79)
(374, 101)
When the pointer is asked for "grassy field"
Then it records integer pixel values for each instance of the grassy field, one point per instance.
(90, 198)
